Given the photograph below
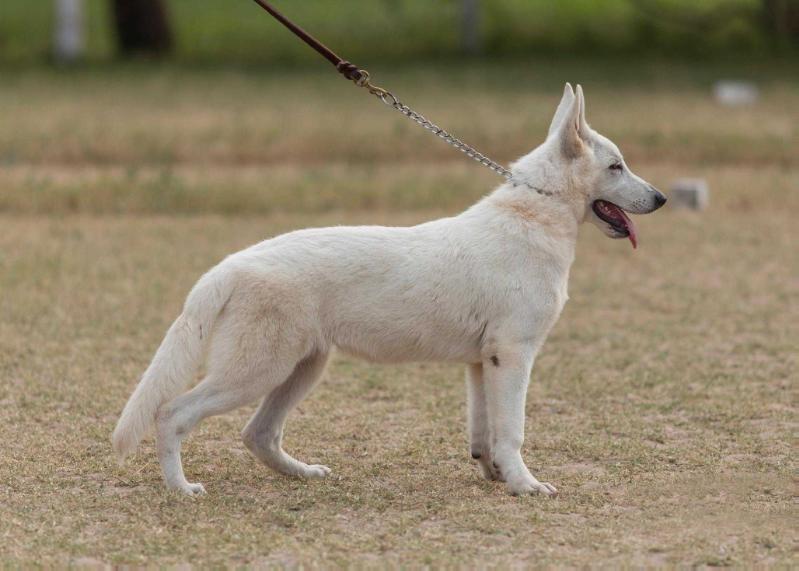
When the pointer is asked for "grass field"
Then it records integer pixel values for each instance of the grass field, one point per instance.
(664, 405)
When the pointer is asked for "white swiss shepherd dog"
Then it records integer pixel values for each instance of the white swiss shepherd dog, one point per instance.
(482, 288)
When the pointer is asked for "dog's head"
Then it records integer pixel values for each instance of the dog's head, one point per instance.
(597, 176)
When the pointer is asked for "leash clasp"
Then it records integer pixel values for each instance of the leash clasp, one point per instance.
(383, 94)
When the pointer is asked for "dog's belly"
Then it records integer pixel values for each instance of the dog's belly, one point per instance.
(393, 343)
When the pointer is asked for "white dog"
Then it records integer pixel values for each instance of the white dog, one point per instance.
(482, 288)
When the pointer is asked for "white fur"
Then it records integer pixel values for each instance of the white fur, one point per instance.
(482, 288)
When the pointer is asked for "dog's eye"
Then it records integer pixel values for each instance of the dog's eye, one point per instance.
(615, 167)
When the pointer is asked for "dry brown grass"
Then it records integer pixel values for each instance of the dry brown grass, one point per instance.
(664, 405)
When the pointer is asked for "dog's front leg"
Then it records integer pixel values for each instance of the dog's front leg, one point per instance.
(479, 430)
(506, 374)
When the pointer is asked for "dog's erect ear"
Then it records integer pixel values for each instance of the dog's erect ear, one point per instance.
(573, 130)
(563, 108)
(582, 126)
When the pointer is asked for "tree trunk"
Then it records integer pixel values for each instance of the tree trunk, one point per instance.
(142, 27)
(782, 20)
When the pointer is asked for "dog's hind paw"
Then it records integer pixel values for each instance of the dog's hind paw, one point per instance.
(316, 471)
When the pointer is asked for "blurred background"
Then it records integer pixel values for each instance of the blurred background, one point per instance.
(157, 105)
(141, 141)
(401, 30)
(125, 102)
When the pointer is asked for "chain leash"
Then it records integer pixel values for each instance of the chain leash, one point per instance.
(393, 101)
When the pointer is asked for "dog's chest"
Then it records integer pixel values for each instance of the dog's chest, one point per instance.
(539, 297)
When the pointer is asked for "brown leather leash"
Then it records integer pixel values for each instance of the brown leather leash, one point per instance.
(345, 68)
(361, 78)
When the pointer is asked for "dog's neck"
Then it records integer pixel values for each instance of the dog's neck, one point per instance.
(541, 187)
(538, 222)
(542, 180)
(548, 210)
(539, 203)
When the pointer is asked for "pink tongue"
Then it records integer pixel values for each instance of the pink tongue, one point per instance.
(628, 224)
(631, 229)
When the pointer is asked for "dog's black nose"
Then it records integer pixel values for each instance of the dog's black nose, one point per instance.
(660, 199)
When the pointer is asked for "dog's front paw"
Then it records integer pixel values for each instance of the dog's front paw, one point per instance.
(191, 490)
(526, 486)
(489, 469)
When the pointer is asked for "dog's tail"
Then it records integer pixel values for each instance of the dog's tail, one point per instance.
(176, 362)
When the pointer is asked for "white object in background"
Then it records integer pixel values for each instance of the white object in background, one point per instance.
(736, 93)
(68, 41)
(690, 193)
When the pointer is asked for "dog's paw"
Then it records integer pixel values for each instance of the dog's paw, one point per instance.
(488, 469)
(533, 486)
(315, 471)
(488, 472)
(192, 490)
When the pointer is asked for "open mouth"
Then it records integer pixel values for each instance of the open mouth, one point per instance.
(617, 219)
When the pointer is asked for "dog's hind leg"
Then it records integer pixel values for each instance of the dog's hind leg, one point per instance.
(263, 434)
(479, 427)
(232, 381)
(214, 395)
